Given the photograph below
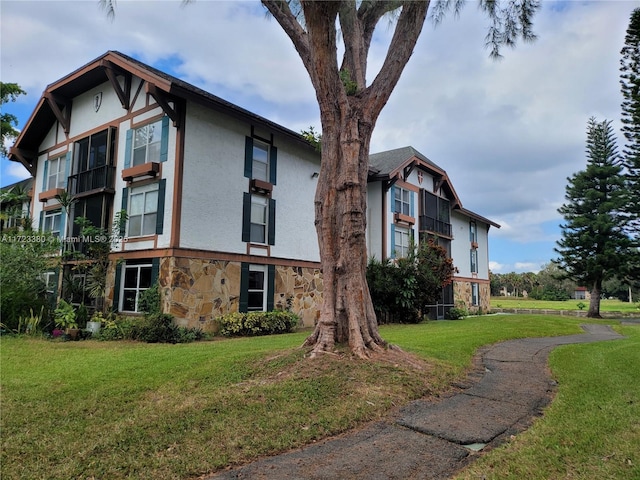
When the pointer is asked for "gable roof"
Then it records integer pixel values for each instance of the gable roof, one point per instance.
(393, 165)
(112, 64)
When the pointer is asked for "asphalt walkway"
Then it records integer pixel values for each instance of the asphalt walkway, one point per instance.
(433, 440)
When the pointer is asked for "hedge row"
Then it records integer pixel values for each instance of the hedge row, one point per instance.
(257, 323)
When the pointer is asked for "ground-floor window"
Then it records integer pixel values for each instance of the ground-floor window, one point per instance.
(401, 241)
(475, 294)
(137, 277)
(256, 287)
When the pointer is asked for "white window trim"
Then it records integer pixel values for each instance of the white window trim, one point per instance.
(51, 214)
(58, 174)
(402, 191)
(142, 190)
(137, 289)
(157, 135)
(475, 294)
(405, 235)
(263, 269)
(257, 144)
(262, 202)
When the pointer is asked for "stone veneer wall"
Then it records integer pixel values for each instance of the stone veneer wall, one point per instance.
(195, 290)
(302, 288)
(462, 295)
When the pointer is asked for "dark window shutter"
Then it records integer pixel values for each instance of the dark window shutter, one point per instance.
(128, 149)
(246, 217)
(243, 305)
(271, 228)
(162, 187)
(248, 157)
(271, 280)
(41, 221)
(44, 175)
(125, 202)
(164, 139)
(116, 288)
(155, 269)
(273, 164)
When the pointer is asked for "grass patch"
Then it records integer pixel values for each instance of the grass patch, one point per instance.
(605, 305)
(129, 410)
(592, 428)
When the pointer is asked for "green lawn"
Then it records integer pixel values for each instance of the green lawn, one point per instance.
(128, 410)
(605, 305)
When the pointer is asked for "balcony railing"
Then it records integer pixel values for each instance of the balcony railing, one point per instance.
(429, 224)
(96, 178)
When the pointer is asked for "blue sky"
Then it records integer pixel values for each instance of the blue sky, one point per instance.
(507, 132)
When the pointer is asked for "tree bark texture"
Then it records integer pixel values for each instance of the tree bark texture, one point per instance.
(348, 118)
(594, 300)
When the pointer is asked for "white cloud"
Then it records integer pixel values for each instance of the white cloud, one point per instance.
(508, 132)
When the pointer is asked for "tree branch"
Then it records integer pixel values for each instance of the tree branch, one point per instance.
(289, 23)
(400, 50)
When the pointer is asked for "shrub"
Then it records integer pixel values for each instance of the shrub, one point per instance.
(149, 301)
(257, 323)
(456, 313)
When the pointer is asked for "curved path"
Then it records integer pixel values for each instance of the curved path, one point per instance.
(433, 440)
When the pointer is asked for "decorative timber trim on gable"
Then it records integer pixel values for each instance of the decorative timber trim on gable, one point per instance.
(163, 100)
(112, 71)
(64, 117)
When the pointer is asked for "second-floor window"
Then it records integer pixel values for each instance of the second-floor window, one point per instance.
(259, 218)
(402, 201)
(474, 261)
(92, 152)
(52, 222)
(260, 164)
(401, 241)
(56, 171)
(260, 160)
(473, 232)
(146, 143)
(143, 210)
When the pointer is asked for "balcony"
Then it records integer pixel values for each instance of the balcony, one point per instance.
(429, 224)
(97, 179)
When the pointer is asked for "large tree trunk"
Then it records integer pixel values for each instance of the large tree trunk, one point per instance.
(347, 314)
(348, 111)
(594, 301)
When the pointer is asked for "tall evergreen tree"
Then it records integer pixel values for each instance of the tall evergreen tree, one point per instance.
(630, 86)
(594, 243)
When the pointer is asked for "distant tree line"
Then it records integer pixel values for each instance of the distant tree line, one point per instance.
(550, 283)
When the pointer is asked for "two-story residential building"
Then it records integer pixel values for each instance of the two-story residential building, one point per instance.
(218, 200)
(411, 198)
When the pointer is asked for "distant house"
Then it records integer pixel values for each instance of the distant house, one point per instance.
(581, 293)
(220, 201)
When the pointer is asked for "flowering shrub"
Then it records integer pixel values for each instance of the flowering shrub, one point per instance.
(257, 323)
